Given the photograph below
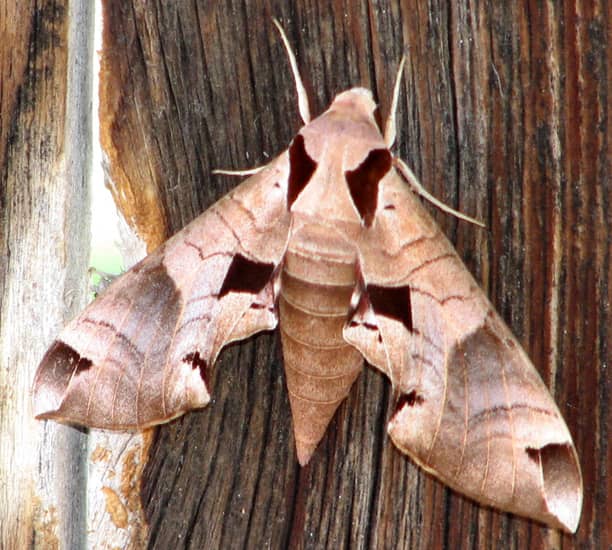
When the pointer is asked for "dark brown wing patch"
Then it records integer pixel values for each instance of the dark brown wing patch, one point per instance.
(245, 275)
(363, 183)
(392, 302)
(301, 169)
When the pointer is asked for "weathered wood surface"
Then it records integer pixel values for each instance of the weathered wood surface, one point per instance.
(504, 115)
(45, 105)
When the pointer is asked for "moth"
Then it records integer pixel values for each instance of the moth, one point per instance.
(329, 242)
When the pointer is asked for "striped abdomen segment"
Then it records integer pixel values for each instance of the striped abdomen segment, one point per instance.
(316, 287)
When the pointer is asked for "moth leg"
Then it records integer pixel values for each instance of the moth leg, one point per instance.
(299, 85)
(247, 172)
(390, 125)
(412, 180)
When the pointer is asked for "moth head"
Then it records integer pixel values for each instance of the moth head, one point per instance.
(354, 103)
(348, 125)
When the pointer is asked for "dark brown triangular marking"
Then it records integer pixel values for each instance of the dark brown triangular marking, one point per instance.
(67, 359)
(301, 169)
(245, 275)
(363, 183)
(392, 302)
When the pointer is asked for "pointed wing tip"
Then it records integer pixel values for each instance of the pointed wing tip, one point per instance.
(52, 379)
(43, 413)
(44, 401)
(562, 483)
(56, 414)
(558, 478)
(567, 513)
(572, 526)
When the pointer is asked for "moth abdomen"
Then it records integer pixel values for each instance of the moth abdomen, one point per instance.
(317, 282)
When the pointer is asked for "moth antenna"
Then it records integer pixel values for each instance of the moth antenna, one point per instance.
(390, 126)
(299, 85)
(409, 176)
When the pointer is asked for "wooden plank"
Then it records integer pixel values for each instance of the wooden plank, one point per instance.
(504, 117)
(45, 95)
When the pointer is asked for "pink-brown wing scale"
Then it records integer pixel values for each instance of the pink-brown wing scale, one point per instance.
(473, 410)
(140, 353)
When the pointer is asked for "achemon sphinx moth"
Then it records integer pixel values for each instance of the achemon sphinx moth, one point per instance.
(328, 242)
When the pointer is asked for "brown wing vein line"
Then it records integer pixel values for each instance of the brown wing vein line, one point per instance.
(129, 344)
(189, 281)
(233, 232)
(246, 210)
(198, 318)
(201, 255)
(429, 262)
(244, 251)
(442, 301)
(405, 246)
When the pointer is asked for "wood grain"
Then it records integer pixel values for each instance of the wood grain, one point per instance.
(45, 95)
